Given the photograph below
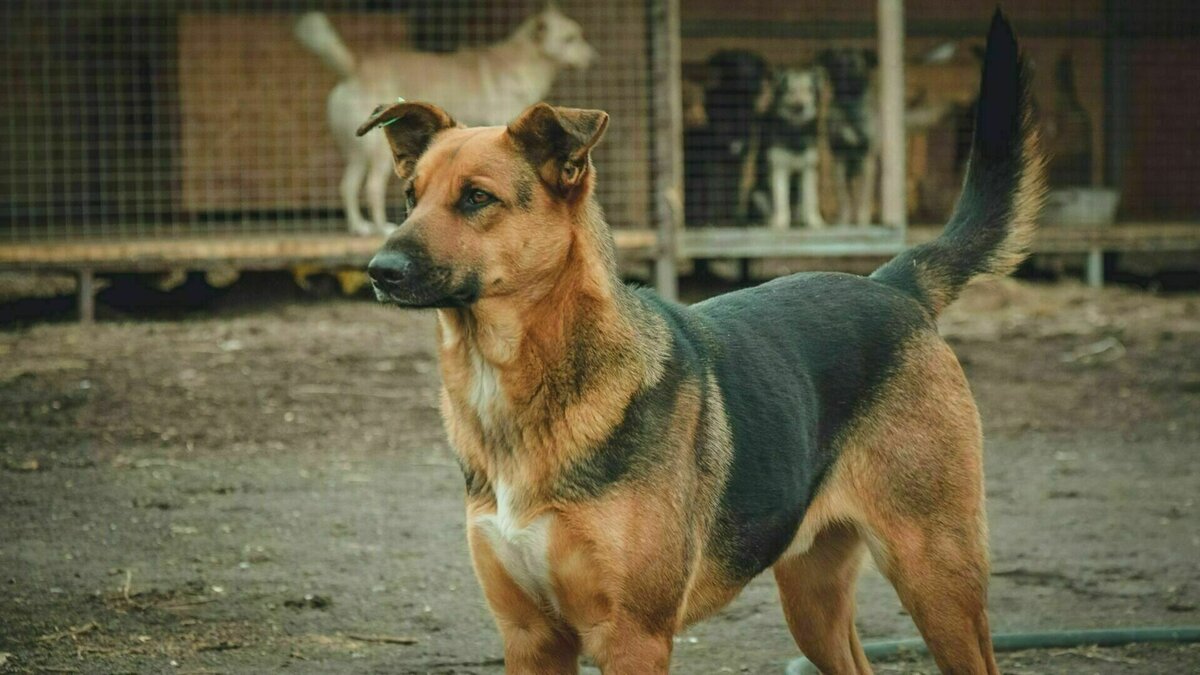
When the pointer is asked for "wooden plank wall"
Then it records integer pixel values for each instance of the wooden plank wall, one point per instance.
(252, 101)
(1163, 165)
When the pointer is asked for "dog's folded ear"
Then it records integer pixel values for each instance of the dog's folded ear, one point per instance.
(558, 142)
(409, 128)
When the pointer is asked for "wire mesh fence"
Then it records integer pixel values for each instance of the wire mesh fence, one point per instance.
(160, 118)
(775, 93)
(157, 118)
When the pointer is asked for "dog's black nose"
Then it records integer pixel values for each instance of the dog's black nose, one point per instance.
(389, 267)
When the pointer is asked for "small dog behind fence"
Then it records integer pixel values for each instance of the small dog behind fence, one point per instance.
(756, 154)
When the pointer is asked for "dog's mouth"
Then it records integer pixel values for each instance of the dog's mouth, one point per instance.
(797, 108)
(422, 294)
(580, 58)
(407, 301)
(410, 279)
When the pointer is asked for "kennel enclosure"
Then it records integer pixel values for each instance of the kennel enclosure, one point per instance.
(145, 135)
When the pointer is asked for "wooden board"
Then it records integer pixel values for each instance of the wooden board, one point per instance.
(1162, 164)
(864, 10)
(730, 242)
(273, 252)
(256, 252)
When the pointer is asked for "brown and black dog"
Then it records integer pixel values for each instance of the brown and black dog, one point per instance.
(631, 464)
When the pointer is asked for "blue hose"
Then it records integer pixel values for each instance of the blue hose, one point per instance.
(1011, 642)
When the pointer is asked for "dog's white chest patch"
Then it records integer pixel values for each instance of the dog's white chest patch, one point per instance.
(522, 548)
(484, 393)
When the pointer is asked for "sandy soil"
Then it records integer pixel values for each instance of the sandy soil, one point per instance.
(266, 487)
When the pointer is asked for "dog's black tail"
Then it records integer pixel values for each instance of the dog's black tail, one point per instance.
(994, 219)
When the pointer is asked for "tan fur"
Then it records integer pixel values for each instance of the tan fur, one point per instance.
(1027, 203)
(908, 485)
(541, 368)
(1026, 207)
(621, 565)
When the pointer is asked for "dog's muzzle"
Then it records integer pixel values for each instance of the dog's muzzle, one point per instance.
(409, 280)
(395, 277)
(390, 269)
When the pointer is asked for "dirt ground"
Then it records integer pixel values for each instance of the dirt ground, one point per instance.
(266, 487)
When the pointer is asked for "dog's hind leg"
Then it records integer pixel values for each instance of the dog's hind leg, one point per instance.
(378, 175)
(940, 573)
(817, 591)
(352, 180)
(919, 476)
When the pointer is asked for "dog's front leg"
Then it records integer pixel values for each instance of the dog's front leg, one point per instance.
(841, 173)
(632, 650)
(539, 649)
(781, 212)
(535, 642)
(811, 194)
(865, 205)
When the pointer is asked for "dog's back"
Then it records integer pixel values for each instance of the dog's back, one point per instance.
(802, 358)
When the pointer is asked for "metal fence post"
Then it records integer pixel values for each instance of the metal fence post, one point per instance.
(667, 163)
(893, 207)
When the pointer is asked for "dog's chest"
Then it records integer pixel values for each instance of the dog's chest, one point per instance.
(484, 393)
(520, 544)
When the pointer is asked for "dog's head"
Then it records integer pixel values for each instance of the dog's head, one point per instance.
(559, 38)
(491, 209)
(797, 94)
(848, 70)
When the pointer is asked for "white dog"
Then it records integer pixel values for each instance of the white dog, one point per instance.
(479, 87)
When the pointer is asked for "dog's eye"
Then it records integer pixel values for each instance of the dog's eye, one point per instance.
(475, 198)
(410, 199)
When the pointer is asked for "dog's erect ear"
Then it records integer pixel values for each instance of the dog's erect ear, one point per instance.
(409, 128)
(558, 142)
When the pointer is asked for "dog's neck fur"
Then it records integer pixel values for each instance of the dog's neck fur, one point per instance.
(519, 368)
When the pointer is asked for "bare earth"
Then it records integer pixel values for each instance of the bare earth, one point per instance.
(268, 488)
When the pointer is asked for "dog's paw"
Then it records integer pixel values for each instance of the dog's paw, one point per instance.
(362, 229)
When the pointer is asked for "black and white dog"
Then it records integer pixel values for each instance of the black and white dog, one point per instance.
(852, 128)
(790, 132)
(718, 157)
